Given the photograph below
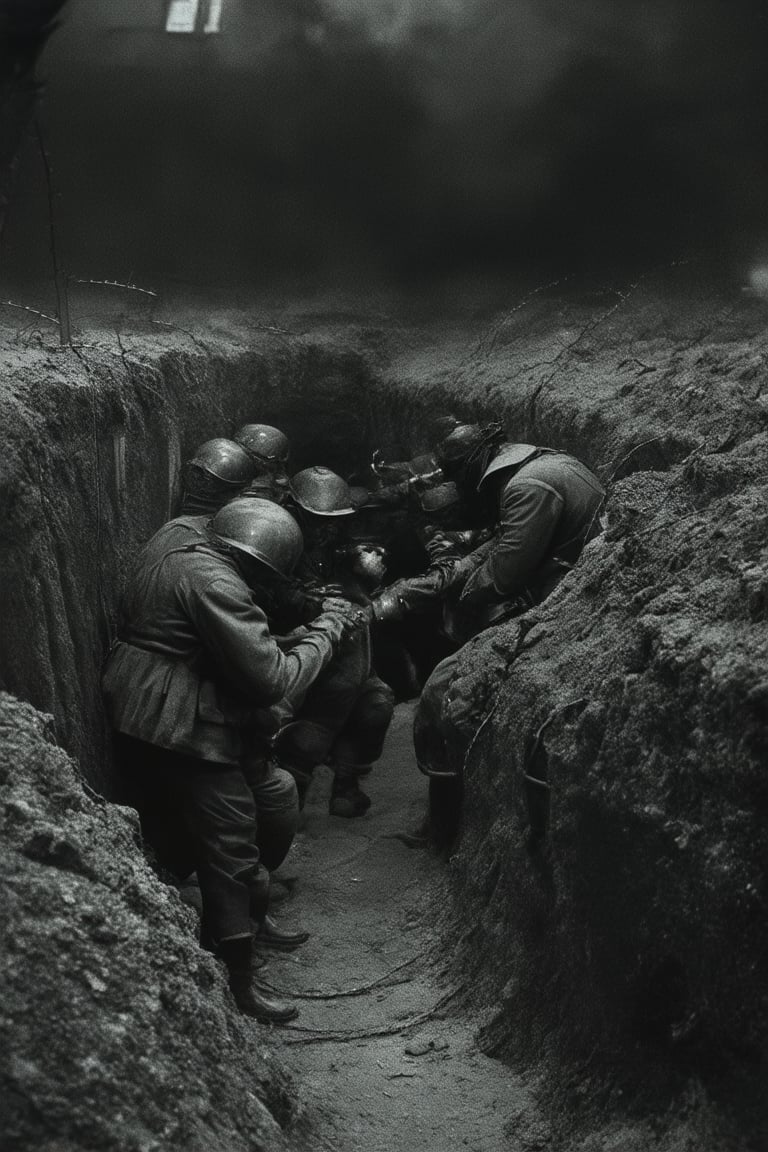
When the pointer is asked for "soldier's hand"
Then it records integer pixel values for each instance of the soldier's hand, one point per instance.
(352, 617)
(357, 619)
(388, 606)
(332, 591)
(337, 604)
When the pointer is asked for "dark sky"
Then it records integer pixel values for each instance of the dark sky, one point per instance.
(409, 139)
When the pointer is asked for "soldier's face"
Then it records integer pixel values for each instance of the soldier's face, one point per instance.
(370, 563)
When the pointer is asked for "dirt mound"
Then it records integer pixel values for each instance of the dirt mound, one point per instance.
(117, 1031)
(631, 945)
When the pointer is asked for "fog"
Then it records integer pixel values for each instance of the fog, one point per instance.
(404, 139)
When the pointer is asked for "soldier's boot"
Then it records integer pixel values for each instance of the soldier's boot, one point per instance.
(252, 1001)
(347, 797)
(208, 943)
(268, 935)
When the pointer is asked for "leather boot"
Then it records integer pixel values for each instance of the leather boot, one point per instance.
(236, 954)
(268, 935)
(347, 797)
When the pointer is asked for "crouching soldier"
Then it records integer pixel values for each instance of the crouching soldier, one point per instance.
(189, 688)
(547, 507)
(346, 714)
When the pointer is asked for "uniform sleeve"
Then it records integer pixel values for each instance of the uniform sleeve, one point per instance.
(530, 511)
(235, 633)
(419, 593)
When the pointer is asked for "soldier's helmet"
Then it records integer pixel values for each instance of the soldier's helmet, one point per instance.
(323, 492)
(459, 445)
(225, 460)
(266, 445)
(261, 529)
(444, 425)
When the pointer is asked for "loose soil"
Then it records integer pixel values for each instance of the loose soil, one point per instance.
(372, 904)
(621, 969)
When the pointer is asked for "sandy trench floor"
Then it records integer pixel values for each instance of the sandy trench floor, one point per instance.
(365, 898)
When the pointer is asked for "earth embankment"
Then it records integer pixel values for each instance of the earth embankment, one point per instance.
(624, 956)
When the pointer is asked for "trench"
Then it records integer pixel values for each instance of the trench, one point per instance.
(501, 967)
(385, 1048)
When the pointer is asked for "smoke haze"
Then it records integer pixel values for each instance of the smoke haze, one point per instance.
(408, 138)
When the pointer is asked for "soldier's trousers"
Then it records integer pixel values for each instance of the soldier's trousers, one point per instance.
(443, 725)
(344, 717)
(232, 825)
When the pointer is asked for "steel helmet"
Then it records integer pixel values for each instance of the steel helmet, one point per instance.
(459, 444)
(321, 491)
(261, 529)
(225, 460)
(443, 425)
(264, 444)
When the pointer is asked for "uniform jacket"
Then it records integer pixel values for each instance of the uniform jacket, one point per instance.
(549, 507)
(197, 669)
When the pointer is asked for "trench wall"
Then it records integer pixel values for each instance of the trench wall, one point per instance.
(93, 444)
(92, 451)
(631, 943)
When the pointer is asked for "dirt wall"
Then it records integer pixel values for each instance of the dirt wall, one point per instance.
(629, 950)
(117, 1030)
(92, 450)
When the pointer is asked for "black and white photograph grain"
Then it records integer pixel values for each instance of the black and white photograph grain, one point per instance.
(383, 576)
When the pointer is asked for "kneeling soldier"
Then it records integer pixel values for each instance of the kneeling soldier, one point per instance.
(346, 715)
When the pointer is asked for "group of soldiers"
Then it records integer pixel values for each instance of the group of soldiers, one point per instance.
(256, 623)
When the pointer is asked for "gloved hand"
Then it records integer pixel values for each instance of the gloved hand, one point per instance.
(331, 624)
(388, 606)
(352, 617)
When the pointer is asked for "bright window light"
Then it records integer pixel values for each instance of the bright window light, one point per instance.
(213, 23)
(182, 16)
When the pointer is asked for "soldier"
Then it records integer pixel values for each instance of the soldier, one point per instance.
(397, 482)
(346, 714)
(190, 688)
(219, 471)
(548, 506)
(269, 450)
(447, 539)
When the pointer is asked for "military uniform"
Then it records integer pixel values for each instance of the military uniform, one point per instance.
(191, 687)
(549, 507)
(344, 717)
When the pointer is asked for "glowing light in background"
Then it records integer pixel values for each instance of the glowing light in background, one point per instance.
(213, 23)
(182, 16)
